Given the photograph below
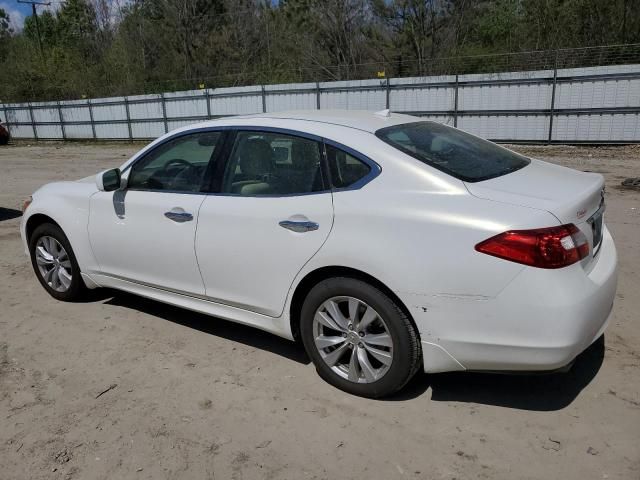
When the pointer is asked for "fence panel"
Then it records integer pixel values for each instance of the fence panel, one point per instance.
(422, 94)
(236, 101)
(571, 105)
(296, 96)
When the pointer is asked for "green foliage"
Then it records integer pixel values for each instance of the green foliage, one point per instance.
(91, 49)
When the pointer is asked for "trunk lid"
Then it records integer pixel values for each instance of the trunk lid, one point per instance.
(571, 196)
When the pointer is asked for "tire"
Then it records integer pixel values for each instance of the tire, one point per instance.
(76, 289)
(386, 324)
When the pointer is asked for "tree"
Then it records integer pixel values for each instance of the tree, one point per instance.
(5, 33)
(95, 48)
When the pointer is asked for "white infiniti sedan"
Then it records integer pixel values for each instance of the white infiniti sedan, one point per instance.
(383, 242)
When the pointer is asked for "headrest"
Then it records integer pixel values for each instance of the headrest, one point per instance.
(304, 155)
(438, 144)
(256, 157)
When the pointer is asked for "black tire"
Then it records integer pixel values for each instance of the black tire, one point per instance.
(406, 353)
(77, 289)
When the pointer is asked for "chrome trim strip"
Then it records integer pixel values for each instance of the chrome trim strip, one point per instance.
(183, 293)
(376, 169)
(591, 221)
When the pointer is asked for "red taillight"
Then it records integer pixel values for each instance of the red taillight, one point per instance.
(553, 247)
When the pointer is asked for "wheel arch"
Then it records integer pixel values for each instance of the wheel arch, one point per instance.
(35, 220)
(323, 273)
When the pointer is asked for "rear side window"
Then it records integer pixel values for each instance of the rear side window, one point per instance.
(345, 169)
(457, 153)
(273, 164)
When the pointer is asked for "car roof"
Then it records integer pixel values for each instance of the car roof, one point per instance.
(361, 120)
(364, 120)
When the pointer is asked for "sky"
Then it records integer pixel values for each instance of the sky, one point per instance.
(19, 11)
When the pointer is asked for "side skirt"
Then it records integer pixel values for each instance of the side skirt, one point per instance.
(278, 326)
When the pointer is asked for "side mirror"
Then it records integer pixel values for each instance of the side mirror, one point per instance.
(109, 180)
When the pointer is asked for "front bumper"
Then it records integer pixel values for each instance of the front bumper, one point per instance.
(541, 321)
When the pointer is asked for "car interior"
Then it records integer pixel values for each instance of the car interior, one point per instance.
(269, 164)
(179, 165)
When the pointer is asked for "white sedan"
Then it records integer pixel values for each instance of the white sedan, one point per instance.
(383, 242)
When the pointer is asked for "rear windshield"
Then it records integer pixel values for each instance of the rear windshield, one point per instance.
(459, 154)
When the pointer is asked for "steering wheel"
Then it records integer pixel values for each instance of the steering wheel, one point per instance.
(177, 179)
(176, 161)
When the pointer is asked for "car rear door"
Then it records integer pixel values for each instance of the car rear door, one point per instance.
(146, 233)
(272, 212)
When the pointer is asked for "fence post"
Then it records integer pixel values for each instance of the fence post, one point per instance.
(33, 122)
(388, 92)
(164, 113)
(455, 104)
(317, 95)
(553, 97)
(264, 100)
(126, 106)
(61, 118)
(93, 125)
(206, 96)
(6, 118)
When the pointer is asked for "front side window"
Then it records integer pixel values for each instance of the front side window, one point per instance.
(273, 164)
(179, 165)
(457, 153)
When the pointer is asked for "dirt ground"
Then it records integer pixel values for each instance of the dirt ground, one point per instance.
(190, 396)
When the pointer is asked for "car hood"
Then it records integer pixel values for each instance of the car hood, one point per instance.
(89, 179)
(570, 195)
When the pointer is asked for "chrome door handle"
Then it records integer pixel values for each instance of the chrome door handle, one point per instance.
(300, 227)
(178, 215)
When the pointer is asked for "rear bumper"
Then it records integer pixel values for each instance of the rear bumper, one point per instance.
(541, 321)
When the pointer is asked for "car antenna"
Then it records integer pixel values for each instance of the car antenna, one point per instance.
(384, 113)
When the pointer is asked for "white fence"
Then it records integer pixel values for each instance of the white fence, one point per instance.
(583, 105)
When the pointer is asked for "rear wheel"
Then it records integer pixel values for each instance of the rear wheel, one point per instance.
(359, 339)
(55, 264)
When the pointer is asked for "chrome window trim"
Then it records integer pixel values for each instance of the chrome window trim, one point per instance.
(376, 169)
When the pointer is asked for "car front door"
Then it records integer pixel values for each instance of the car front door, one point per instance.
(272, 212)
(145, 233)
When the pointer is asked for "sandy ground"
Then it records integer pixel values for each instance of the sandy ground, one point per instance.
(190, 396)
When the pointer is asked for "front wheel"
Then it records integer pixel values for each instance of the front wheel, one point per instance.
(55, 264)
(359, 339)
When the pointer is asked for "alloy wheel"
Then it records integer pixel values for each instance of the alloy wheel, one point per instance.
(352, 339)
(53, 263)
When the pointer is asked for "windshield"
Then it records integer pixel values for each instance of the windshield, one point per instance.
(453, 151)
